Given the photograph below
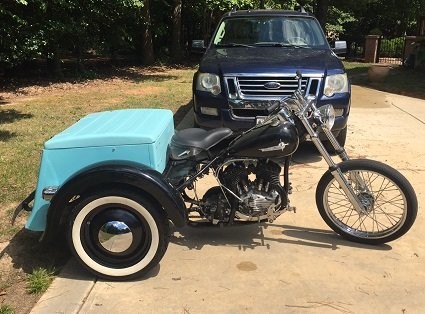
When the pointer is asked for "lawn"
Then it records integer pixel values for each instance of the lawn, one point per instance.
(28, 120)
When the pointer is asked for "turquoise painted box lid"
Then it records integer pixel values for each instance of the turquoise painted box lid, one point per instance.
(118, 127)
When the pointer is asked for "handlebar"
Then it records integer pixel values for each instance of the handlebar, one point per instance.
(298, 77)
(274, 108)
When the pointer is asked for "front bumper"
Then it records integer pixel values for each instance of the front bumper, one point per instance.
(227, 118)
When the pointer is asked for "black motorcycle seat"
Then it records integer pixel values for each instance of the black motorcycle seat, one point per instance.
(200, 138)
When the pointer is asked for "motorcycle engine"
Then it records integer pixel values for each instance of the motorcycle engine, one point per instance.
(257, 185)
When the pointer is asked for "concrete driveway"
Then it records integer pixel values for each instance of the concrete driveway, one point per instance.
(294, 265)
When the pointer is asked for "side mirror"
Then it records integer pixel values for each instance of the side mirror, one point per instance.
(198, 46)
(340, 47)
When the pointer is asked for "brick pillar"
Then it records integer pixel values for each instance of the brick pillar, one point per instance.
(371, 48)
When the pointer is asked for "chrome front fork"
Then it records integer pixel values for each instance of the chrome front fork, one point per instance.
(335, 170)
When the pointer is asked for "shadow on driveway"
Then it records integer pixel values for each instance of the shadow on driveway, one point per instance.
(251, 235)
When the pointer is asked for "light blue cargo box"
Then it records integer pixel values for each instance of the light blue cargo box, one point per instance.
(132, 135)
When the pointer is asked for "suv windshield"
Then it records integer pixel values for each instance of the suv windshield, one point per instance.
(269, 31)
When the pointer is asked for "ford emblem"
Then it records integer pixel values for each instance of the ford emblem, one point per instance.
(272, 85)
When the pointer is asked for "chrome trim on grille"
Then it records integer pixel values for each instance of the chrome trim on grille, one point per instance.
(253, 87)
(247, 91)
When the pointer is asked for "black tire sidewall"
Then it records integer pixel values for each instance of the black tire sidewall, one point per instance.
(153, 215)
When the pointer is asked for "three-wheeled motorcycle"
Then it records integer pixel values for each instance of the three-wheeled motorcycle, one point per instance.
(114, 181)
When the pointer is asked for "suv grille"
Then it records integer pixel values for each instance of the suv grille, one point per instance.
(251, 87)
(248, 94)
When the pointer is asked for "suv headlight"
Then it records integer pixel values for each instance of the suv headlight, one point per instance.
(208, 82)
(337, 83)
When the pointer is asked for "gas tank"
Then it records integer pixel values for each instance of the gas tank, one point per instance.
(267, 141)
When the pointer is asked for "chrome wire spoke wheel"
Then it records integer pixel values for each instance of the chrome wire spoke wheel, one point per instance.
(388, 202)
(383, 202)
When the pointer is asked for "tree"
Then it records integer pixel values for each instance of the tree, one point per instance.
(321, 11)
(147, 44)
(176, 31)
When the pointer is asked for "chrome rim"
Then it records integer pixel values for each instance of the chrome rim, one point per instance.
(115, 236)
(383, 202)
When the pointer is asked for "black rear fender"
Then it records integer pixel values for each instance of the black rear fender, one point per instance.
(143, 179)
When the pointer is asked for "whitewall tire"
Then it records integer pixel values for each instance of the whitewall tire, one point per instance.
(118, 234)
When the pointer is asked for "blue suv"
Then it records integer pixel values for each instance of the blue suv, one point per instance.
(253, 58)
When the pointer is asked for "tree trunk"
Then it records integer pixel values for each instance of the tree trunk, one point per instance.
(54, 63)
(322, 12)
(176, 52)
(80, 57)
(208, 17)
(147, 44)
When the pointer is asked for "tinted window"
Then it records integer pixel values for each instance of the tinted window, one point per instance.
(268, 31)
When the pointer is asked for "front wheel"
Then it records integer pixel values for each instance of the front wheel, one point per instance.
(388, 200)
(118, 234)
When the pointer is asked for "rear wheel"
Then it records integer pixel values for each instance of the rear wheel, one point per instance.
(118, 234)
(388, 200)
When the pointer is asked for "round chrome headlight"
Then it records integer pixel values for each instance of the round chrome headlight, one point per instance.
(327, 114)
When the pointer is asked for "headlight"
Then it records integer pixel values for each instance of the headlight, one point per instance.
(336, 84)
(208, 82)
(327, 114)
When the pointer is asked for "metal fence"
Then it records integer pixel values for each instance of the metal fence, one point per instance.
(390, 50)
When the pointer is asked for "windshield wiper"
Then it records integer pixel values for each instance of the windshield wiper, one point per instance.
(233, 45)
(278, 44)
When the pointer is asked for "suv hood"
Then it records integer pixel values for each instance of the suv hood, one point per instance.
(270, 60)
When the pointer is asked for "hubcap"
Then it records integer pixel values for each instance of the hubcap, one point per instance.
(115, 236)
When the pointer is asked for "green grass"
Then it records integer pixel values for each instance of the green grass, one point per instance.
(28, 121)
(6, 309)
(39, 280)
